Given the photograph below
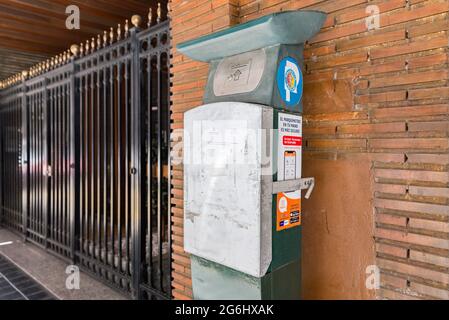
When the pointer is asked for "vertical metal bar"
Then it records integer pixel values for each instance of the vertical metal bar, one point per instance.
(92, 161)
(29, 112)
(119, 164)
(4, 120)
(53, 147)
(105, 161)
(72, 159)
(17, 169)
(11, 145)
(126, 166)
(55, 166)
(13, 139)
(40, 177)
(2, 162)
(57, 169)
(44, 174)
(17, 129)
(41, 166)
(159, 169)
(12, 164)
(65, 171)
(2, 159)
(62, 166)
(33, 166)
(53, 192)
(17, 164)
(37, 163)
(92, 166)
(149, 179)
(135, 162)
(67, 167)
(6, 166)
(98, 162)
(52, 166)
(86, 165)
(81, 165)
(25, 159)
(111, 164)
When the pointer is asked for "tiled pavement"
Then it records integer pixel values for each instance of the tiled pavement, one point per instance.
(17, 285)
(50, 272)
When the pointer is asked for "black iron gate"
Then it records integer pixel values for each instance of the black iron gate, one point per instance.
(10, 157)
(85, 168)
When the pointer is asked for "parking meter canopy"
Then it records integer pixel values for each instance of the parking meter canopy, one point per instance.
(242, 160)
(259, 61)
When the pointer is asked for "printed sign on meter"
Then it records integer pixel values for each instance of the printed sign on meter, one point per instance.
(288, 210)
(289, 146)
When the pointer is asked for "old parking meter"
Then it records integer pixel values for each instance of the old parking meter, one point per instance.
(242, 160)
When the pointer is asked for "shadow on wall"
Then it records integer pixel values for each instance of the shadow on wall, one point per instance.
(338, 230)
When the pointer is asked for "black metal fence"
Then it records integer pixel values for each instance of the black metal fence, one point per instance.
(85, 167)
(10, 157)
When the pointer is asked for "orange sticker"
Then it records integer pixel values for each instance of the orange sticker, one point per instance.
(288, 210)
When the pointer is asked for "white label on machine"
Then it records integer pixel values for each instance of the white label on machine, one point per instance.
(289, 146)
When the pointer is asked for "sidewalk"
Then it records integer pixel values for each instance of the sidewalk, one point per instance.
(49, 271)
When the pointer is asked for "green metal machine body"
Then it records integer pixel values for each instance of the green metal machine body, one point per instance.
(243, 218)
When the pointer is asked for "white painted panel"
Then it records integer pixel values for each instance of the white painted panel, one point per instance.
(223, 216)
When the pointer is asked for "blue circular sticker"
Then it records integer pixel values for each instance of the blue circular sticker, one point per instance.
(290, 81)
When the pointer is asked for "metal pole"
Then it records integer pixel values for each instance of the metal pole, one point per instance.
(45, 178)
(25, 156)
(135, 160)
(73, 191)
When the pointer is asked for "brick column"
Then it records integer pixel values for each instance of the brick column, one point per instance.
(190, 19)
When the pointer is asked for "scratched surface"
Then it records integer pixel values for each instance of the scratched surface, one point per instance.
(224, 220)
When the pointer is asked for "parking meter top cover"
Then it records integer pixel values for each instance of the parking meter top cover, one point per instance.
(288, 28)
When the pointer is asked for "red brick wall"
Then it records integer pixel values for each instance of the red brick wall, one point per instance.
(374, 99)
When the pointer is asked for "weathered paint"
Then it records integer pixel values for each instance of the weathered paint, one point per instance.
(227, 197)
